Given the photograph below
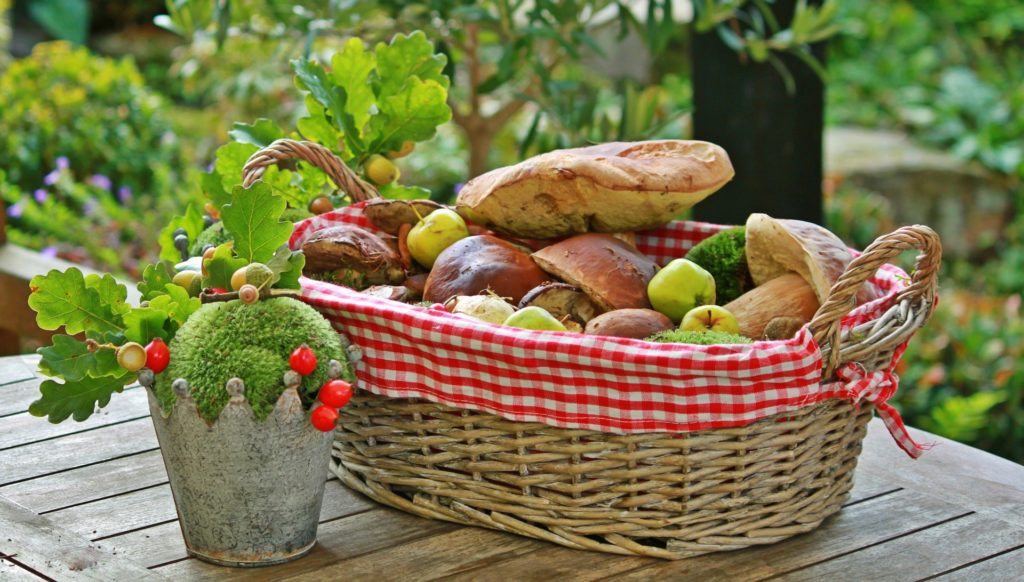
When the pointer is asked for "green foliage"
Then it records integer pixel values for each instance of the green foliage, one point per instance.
(371, 102)
(252, 219)
(221, 266)
(66, 299)
(750, 28)
(251, 342)
(91, 168)
(961, 377)
(705, 338)
(949, 71)
(724, 256)
(95, 305)
(78, 398)
(73, 360)
(93, 111)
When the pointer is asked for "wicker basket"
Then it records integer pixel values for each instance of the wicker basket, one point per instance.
(657, 494)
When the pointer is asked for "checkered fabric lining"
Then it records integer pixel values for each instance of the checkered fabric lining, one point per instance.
(598, 383)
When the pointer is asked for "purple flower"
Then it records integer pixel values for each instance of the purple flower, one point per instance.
(89, 208)
(63, 163)
(209, 167)
(124, 194)
(51, 178)
(40, 195)
(101, 181)
(50, 251)
(458, 186)
(16, 210)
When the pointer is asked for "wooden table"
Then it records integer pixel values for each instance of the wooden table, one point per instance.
(90, 501)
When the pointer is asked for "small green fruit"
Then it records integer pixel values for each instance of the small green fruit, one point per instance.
(434, 233)
(256, 274)
(679, 287)
(534, 317)
(380, 170)
(192, 281)
(710, 318)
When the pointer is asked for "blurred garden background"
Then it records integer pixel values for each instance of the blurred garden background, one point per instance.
(115, 116)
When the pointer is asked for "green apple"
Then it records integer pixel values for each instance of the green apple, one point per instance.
(679, 287)
(434, 233)
(534, 317)
(710, 318)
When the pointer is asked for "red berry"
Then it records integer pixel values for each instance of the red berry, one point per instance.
(335, 393)
(324, 418)
(157, 355)
(303, 360)
(218, 290)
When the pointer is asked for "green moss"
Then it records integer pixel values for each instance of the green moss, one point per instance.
(724, 256)
(213, 235)
(252, 342)
(704, 338)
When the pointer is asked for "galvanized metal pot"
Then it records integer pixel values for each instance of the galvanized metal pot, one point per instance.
(247, 492)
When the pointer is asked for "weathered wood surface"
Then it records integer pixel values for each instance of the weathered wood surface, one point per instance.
(94, 496)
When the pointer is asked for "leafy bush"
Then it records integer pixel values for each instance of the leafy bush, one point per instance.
(949, 71)
(95, 112)
(91, 168)
(962, 379)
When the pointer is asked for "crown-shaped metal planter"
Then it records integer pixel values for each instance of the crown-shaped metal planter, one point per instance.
(247, 492)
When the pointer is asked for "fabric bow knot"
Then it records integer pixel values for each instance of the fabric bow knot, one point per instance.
(878, 387)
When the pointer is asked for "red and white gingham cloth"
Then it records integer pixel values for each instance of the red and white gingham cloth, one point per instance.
(598, 383)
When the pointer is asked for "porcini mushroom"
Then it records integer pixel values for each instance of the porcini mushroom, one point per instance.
(778, 246)
(350, 248)
(634, 323)
(611, 272)
(390, 215)
(477, 263)
(561, 300)
(787, 296)
(612, 187)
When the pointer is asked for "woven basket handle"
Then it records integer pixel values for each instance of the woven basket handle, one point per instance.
(314, 153)
(843, 296)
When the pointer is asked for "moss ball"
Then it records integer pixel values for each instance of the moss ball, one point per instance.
(724, 256)
(704, 338)
(213, 235)
(228, 340)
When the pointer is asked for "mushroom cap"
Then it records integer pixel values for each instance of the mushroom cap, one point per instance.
(390, 215)
(477, 263)
(561, 300)
(348, 246)
(611, 187)
(634, 323)
(778, 246)
(611, 272)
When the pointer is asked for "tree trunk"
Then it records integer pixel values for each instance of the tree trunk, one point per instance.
(479, 148)
(774, 138)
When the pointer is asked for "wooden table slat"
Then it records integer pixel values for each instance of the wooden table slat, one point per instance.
(857, 526)
(15, 398)
(956, 513)
(22, 429)
(15, 370)
(994, 569)
(932, 551)
(162, 543)
(76, 450)
(89, 483)
(40, 544)
(15, 573)
(340, 539)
